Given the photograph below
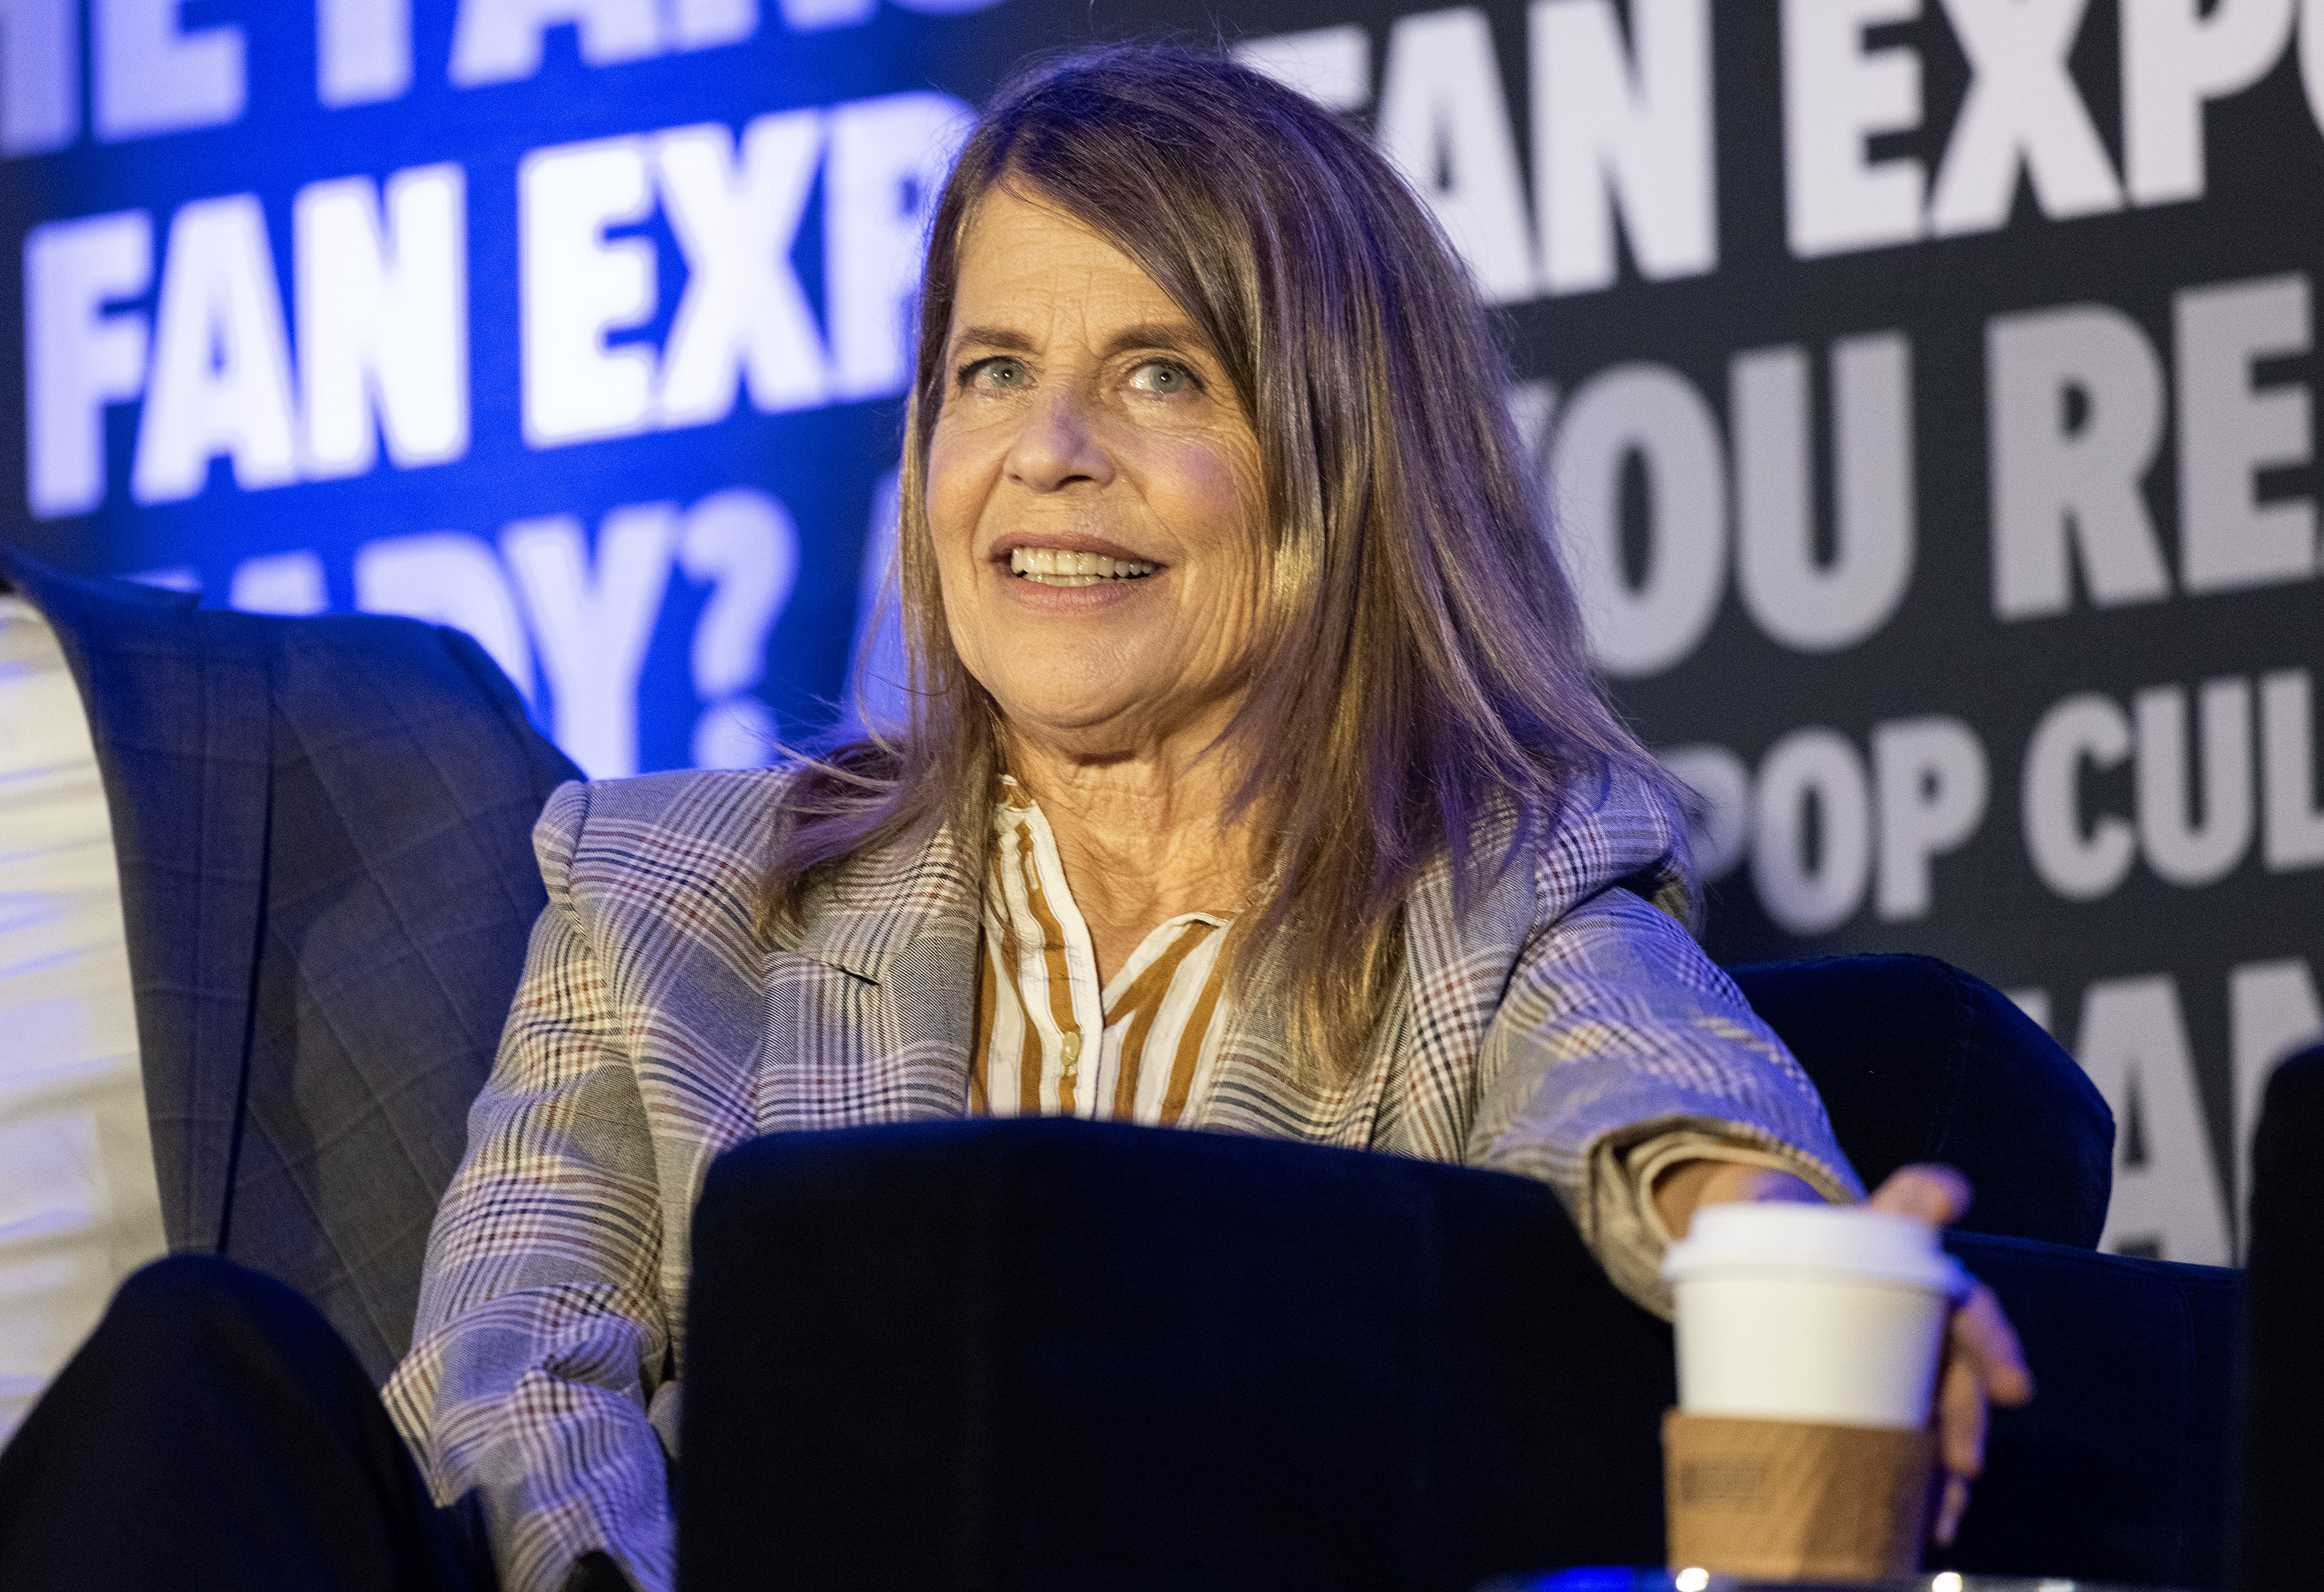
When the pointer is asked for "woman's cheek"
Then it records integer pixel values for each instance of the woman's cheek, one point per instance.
(954, 504)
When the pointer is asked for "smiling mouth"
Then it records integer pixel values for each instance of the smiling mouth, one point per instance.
(1047, 567)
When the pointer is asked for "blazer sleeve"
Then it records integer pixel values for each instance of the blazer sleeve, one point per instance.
(1620, 1047)
(542, 1336)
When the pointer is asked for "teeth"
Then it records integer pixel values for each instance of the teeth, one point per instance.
(1053, 566)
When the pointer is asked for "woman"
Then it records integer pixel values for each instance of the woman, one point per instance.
(1255, 780)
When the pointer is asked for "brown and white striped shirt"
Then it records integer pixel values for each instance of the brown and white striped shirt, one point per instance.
(1050, 1042)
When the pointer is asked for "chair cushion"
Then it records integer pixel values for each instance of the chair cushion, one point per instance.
(1918, 1061)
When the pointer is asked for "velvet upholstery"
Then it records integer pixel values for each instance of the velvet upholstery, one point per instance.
(1049, 1354)
(2117, 1471)
(2281, 1483)
(1918, 1061)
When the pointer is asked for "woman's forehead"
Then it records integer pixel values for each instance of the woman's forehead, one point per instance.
(1030, 268)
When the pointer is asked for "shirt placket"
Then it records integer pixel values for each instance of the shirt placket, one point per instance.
(1078, 1018)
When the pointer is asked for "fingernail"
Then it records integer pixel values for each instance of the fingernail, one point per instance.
(1948, 1512)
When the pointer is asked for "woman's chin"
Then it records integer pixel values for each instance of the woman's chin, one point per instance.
(1077, 722)
(1083, 721)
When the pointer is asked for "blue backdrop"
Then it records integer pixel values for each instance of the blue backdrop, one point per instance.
(578, 323)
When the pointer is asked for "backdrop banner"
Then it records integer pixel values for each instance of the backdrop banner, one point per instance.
(1921, 390)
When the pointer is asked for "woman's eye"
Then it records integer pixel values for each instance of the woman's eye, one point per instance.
(1000, 371)
(1161, 377)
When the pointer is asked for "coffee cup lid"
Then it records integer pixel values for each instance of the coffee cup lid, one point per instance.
(1843, 1239)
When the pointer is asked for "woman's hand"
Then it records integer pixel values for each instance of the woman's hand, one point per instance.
(1983, 1364)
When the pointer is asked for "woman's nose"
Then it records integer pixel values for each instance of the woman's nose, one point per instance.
(1059, 444)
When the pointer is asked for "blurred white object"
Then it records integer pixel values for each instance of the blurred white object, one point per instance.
(80, 1205)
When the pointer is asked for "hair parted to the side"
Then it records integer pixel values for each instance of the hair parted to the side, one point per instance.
(1419, 665)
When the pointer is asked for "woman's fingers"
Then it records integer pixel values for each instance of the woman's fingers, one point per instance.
(1984, 1363)
(1960, 1414)
(1985, 1337)
(1950, 1508)
(1984, 1366)
(1960, 1434)
(1938, 1195)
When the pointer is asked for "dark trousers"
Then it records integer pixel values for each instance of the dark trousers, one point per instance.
(214, 1432)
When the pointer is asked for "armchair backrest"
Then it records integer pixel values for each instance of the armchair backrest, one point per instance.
(1050, 1355)
(1918, 1061)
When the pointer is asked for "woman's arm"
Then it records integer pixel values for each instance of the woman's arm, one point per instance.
(1619, 1054)
(541, 1336)
(1630, 1073)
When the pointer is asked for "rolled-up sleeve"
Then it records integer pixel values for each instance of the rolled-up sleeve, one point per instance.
(1619, 1049)
(542, 1337)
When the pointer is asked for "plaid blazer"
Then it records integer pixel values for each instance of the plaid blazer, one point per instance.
(1564, 1026)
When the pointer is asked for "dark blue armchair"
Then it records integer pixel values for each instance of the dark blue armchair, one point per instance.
(1048, 1355)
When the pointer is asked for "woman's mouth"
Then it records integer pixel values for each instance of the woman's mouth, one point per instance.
(1049, 567)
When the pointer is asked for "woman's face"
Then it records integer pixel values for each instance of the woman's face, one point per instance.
(1093, 487)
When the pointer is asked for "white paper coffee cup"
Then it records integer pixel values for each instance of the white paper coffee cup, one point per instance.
(1832, 1314)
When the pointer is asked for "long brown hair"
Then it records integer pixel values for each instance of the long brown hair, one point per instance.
(1419, 670)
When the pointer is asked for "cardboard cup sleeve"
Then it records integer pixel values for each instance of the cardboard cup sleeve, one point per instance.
(1790, 1500)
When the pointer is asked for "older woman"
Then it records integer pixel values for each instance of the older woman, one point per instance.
(1254, 781)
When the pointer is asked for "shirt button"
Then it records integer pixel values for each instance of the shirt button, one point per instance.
(1072, 1049)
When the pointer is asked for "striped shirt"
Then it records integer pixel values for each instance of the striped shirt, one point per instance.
(1050, 1040)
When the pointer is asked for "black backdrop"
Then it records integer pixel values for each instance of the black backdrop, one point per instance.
(2033, 454)
(1922, 388)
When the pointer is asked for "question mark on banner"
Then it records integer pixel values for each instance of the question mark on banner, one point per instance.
(743, 540)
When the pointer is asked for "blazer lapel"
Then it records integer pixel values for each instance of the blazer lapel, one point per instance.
(1457, 966)
(907, 918)
(178, 709)
(1410, 1093)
